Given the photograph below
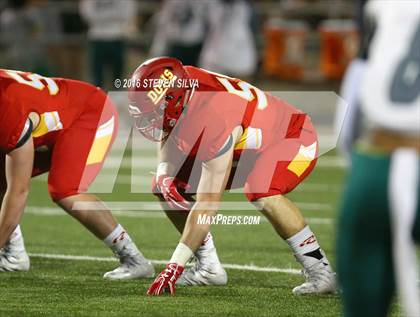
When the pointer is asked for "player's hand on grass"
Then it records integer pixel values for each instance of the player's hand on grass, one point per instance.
(165, 281)
(170, 187)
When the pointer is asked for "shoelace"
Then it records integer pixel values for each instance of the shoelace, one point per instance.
(314, 273)
(196, 266)
(200, 268)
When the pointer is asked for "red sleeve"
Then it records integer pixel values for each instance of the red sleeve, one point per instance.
(12, 122)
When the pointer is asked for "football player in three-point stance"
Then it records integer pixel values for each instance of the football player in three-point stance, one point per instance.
(64, 127)
(237, 136)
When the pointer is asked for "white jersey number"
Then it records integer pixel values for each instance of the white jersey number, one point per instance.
(34, 80)
(245, 92)
(405, 86)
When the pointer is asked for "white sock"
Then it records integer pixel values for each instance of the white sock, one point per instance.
(306, 247)
(16, 234)
(181, 255)
(208, 243)
(207, 251)
(117, 239)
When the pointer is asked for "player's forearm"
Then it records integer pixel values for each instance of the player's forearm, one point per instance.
(193, 235)
(168, 156)
(165, 150)
(13, 205)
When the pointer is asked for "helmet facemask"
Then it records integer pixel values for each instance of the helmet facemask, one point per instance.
(157, 100)
(156, 125)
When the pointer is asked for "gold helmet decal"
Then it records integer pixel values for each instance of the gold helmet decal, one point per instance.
(160, 85)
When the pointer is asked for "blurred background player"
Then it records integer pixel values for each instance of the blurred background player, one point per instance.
(66, 128)
(378, 225)
(110, 22)
(215, 124)
(181, 35)
(232, 25)
(208, 34)
(23, 25)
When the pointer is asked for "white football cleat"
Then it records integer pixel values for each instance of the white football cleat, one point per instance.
(133, 265)
(207, 270)
(320, 279)
(13, 256)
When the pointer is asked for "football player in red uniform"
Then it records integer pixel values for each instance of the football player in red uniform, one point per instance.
(64, 127)
(236, 135)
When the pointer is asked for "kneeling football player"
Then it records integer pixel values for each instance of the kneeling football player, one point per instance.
(224, 125)
(64, 127)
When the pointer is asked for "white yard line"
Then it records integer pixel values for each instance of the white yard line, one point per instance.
(51, 211)
(250, 267)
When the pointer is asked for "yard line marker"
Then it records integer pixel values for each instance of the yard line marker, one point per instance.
(51, 211)
(249, 267)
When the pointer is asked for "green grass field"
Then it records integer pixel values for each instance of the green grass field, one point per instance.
(74, 286)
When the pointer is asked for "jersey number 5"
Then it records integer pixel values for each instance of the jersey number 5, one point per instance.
(34, 80)
(245, 92)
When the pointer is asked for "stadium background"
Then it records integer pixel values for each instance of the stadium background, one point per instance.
(298, 46)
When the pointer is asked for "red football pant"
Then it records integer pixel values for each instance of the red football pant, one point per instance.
(78, 152)
(276, 170)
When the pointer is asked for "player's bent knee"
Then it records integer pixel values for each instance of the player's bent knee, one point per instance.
(280, 208)
(59, 195)
(254, 196)
(60, 191)
(271, 204)
(80, 205)
(279, 190)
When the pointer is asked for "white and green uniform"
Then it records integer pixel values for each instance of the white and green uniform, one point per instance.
(390, 89)
(376, 232)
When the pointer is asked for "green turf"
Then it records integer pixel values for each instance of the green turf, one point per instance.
(76, 288)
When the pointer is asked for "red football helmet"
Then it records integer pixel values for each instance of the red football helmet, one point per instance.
(156, 99)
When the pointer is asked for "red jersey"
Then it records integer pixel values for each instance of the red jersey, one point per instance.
(219, 104)
(77, 125)
(57, 101)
